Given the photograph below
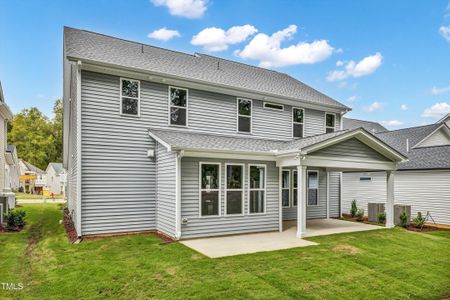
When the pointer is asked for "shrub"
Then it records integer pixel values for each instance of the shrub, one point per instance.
(15, 219)
(360, 215)
(404, 219)
(381, 217)
(20, 190)
(419, 220)
(354, 209)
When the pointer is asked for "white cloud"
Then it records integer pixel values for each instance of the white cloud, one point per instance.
(217, 39)
(437, 90)
(163, 34)
(373, 107)
(339, 63)
(437, 110)
(191, 9)
(391, 123)
(364, 67)
(352, 99)
(267, 49)
(404, 107)
(445, 32)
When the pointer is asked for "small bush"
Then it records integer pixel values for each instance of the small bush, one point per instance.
(419, 220)
(360, 215)
(15, 219)
(381, 217)
(20, 190)
(404, 219)
(354, 209)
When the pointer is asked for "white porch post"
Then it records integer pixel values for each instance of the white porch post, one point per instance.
(280, 208)
(328, 194)
(390, 199)
(301, 201)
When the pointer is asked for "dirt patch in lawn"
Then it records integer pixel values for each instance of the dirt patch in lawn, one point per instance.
(347, 249)
(72, 235)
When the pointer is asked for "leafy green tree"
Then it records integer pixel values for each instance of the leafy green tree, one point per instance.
(57, 124)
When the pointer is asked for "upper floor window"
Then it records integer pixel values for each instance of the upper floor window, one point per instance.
(178, 102)
(244, 112)
(330, 122)
(297, 122)
(129, 97)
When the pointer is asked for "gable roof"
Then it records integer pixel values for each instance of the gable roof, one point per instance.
(98, 48)
(58, 167)
(444, 118)
(372, 127)
(31, 167)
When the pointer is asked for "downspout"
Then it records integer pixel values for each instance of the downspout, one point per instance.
(179, 156)
(79, 153)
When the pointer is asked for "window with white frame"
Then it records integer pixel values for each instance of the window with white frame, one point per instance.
(209, 189)
(129, 97)
(330, 123)
(244, 111)
(297, 122)
(285, 188)
(294, 188)
(257, 188)
(234, 189)
(178, 102)
(313, 188)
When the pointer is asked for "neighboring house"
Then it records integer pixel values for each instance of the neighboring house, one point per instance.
(195, 145)
(12, 168)
(55, 176)
(31, 179)
(422, 182)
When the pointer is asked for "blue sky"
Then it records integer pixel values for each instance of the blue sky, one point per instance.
(388, 60)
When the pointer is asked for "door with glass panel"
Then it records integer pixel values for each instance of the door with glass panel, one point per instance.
(234, 194)
(285, 188)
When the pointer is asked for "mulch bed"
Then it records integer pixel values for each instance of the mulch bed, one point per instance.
(348, 217)
(3, 230)
(72, 235)
(412, 227)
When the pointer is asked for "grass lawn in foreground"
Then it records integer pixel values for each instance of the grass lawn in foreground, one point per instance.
(378, 264)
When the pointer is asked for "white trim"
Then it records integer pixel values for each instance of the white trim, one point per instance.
(334, 127)
(176, 106)
(273, 103)
(179, 155)
(238, 115)
(212, 190)
(1, 213)
(446, 130)
(229, 155)
(280, 208)
(288, 188)
(307, 188)
(138, 98)
(234, 190)
(159, 140)
(257, 189)
(292, 121)
(79, 150)
(347, 164)
(328, 193)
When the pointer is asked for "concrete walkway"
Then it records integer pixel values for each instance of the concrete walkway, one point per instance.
(259, 242)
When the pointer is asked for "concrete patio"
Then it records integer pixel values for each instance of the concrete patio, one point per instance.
(259, 242)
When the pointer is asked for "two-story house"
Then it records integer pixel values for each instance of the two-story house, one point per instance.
(195, 145)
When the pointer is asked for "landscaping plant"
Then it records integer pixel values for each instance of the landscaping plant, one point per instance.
(354, 209)
(404, 219)
(419, 220)
(381, 217)
(15, 219)
(360, 215)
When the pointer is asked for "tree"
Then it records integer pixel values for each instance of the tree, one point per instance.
(58, 129)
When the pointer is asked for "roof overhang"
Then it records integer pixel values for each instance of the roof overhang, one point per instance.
(5, 112)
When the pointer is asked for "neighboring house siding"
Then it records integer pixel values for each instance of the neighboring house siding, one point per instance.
(118, 178)
(3, 149)
(351, 149)
(335, 194)
(222, 225)
(166, 190)
(439, 138)
(423, 190)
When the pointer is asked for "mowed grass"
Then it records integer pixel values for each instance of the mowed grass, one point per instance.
(380, 264)
(26, 196)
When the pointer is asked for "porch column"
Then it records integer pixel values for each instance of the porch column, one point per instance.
(280, 207)
(328, 194)
(301, 201)
(390, 199)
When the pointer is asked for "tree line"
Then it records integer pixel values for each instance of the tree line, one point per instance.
(38, 139)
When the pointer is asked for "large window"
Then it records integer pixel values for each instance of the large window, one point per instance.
(210, 189)
(285, 188)
(313, 188)
(294, 188)
(297, 122)
(178, 102)
(234, 189)
(257, 188)
(129, 97)
(330, 122)
(244, 111)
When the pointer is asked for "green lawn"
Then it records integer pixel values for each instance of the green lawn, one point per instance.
(380, 264)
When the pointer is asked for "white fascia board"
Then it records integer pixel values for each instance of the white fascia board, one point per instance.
(90, 65)
(229, 154)
(334, 163)
(159, 140)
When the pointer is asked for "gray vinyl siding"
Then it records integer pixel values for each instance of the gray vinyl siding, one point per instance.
(423, 190)
(118, 179)
(351, 148)
(439, 138)
(166, 190)
(222, 225)
(335, 194)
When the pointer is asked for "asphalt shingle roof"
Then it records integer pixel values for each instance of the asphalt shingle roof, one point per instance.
(58, 167)
(86, 45)
(372, 127)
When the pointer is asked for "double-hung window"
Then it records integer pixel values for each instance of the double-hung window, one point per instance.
(209, 189)
(178, 105)
(234, 193)
(285, 187)
(294, 188)
(297, 122)
(313, 188)
(244, 115)
(330, 122)
(257, 188)
(129, 97)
